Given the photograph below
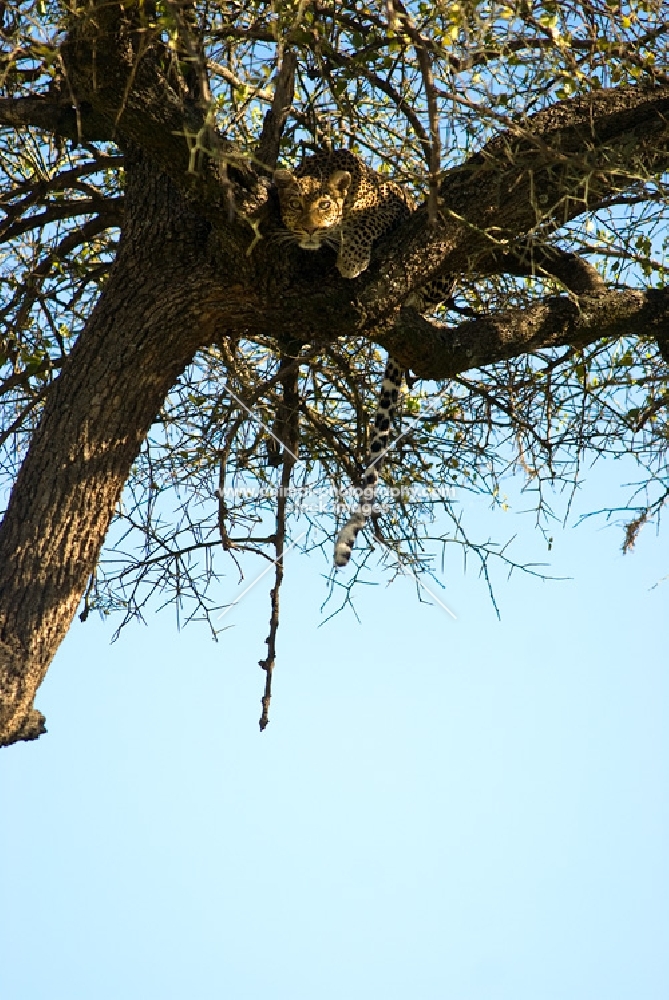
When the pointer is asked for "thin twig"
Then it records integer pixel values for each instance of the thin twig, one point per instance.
(289, 421)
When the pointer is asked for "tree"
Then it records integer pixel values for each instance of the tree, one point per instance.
(153, 310)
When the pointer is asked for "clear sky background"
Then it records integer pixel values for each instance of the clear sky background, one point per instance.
(472, 810)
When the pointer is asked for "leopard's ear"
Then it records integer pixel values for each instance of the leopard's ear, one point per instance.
(340, 181)
(283, 178)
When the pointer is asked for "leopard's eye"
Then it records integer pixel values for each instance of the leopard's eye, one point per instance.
(324, 204)
(295, 202)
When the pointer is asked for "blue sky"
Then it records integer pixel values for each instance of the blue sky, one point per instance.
(474, 810)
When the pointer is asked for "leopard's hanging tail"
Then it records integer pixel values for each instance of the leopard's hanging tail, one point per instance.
(388, 397)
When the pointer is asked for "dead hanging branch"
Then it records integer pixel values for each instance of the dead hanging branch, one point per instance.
(287, 430)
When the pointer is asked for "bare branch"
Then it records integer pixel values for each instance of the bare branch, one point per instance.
(275, 119)
(290, 435)
(110, 209)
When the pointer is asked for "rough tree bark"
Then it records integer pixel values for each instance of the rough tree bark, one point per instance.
(184, 278)
(153, 316)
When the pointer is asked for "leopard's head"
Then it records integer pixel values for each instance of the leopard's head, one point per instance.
(312, 208)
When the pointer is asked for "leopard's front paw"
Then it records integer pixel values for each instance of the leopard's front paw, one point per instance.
(351, 267)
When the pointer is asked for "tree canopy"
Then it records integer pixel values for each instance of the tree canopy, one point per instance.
(160, 335)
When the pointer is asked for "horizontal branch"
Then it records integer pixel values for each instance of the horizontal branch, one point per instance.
(55, 113)
(537, 261)
(108, 210)
(525, 183)
(36, 189)
(434, 351)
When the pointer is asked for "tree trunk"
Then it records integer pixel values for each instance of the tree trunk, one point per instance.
(150, 319)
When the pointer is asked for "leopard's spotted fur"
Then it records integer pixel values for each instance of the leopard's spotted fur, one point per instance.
(335, 198)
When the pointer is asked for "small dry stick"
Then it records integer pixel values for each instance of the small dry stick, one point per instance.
(290, 425)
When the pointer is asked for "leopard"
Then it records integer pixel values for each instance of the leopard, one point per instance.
(335, 199)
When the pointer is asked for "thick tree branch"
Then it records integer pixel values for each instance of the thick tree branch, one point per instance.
(556, 165)
(56, 114)
(434, 351)
(575, 273)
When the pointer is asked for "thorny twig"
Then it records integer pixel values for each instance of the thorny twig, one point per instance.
(288, 429)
